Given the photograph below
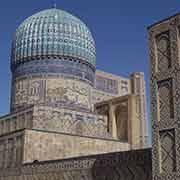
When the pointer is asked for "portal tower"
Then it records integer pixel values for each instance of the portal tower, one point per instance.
(164, 42)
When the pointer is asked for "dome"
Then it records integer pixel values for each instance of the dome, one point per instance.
(50, 36)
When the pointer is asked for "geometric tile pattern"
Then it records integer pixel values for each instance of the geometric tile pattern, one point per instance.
(74, 68)
(165, 98)
(57, 120)
(163, 51)
(167, 151)
(70, 121)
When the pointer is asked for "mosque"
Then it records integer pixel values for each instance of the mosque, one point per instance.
(70, 121)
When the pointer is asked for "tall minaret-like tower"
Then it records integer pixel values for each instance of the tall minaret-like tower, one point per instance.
(164, 44)
(139, 89)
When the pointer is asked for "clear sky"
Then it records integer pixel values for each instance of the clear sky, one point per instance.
(118, 27)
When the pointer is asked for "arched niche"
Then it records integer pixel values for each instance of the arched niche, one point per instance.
(163, 52)
(121, 116)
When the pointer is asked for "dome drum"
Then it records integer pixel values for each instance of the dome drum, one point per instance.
(68, 68)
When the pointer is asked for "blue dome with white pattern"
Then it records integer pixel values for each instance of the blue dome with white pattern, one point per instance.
(53, 42)
(54, 35)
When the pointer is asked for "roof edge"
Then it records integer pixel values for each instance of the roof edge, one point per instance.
(165, 19)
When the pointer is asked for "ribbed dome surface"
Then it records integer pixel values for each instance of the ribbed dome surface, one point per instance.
(53, 34)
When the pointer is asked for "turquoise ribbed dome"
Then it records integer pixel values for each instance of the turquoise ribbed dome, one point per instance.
(53, 34)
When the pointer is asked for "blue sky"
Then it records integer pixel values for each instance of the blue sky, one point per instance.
(118, 27)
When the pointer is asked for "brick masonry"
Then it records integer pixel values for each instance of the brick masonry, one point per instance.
(130, 165)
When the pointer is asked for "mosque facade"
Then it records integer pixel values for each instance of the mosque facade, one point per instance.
(70, 121)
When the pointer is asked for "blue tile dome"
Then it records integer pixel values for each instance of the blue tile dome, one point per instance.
(51, 36)
(53, 32)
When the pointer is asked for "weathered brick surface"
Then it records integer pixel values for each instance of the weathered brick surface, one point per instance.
(131, 165)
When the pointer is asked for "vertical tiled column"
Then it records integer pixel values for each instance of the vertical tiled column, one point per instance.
(165, 98)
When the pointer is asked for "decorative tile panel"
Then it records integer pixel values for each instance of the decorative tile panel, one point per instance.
(165, 70)
(69, 121)
(165, 97)
(163, 51)
(167, 151)
(57, 67)
(53, 91)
